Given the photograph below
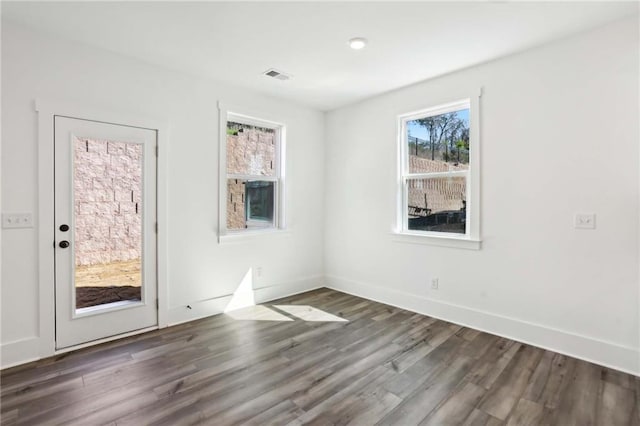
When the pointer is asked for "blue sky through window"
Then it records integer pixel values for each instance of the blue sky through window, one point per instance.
(420, 132)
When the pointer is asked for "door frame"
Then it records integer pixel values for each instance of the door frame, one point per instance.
(47, 110)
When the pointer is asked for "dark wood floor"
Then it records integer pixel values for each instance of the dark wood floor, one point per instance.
(323, 358)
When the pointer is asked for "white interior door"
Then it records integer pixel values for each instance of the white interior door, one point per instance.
(105, 219)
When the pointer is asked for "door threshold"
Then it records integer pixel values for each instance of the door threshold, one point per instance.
(107, 307)
(105, 340)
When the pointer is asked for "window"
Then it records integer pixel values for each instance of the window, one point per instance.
(438, 172)
(252, 171)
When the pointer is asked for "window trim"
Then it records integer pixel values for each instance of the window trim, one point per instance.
(471, 239)
(242, 115)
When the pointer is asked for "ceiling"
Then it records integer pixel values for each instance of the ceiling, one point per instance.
(235, 42)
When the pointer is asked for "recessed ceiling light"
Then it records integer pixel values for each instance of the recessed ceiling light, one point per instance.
(357, 43)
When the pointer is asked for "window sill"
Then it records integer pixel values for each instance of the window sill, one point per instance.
(253, 234)
(436, 240)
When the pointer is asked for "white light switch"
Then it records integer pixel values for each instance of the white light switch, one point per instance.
(585, 221)
(17, 220)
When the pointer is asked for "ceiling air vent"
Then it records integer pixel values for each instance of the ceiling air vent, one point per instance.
(279, 75)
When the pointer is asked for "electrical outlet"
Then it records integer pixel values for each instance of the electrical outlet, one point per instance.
(434, 283)
(258, 271)
(17, 220)
(585, 221)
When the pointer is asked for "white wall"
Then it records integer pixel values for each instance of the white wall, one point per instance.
(199, 269)
(559, 135)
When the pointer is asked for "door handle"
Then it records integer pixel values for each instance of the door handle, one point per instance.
(64, 244)
(64, 228)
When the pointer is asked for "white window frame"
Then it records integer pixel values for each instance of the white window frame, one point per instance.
(471, 238)
(238, 115)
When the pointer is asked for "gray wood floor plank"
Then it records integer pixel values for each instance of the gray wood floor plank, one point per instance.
(527, 413)
(493, 363)
(405, 383)
(457, 407)
(280, 414)
(511, 384)
(468, 333)
(578, 403)
(74, 365)
(226, 391)
(343, 374)
(550, 377)
(75, 411)
(160, 411)
(58, 384)
(616, 405)
(480, 418)
(618, 378)
(362, 392)
(417, 406)
(9, 417)
(637, 405)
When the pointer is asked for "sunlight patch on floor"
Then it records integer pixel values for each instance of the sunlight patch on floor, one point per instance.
(257, 313)
(242, 306)
(309, 313)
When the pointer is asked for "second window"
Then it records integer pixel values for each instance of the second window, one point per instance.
(253, 173)
(435, 169)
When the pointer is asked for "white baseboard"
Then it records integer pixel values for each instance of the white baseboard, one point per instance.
(19, 352)
(269, 293)
(608, 354)
(217, 305)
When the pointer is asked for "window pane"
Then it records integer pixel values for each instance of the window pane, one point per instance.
(439, 143)
(259, 201)
(107, 196)
(250, 204)
(437, 204)
(251, 150)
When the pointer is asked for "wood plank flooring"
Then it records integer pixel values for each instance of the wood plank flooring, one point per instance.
(322, 358)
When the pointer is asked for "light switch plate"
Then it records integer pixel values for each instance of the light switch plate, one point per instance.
(17, 220)
(585, 221)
